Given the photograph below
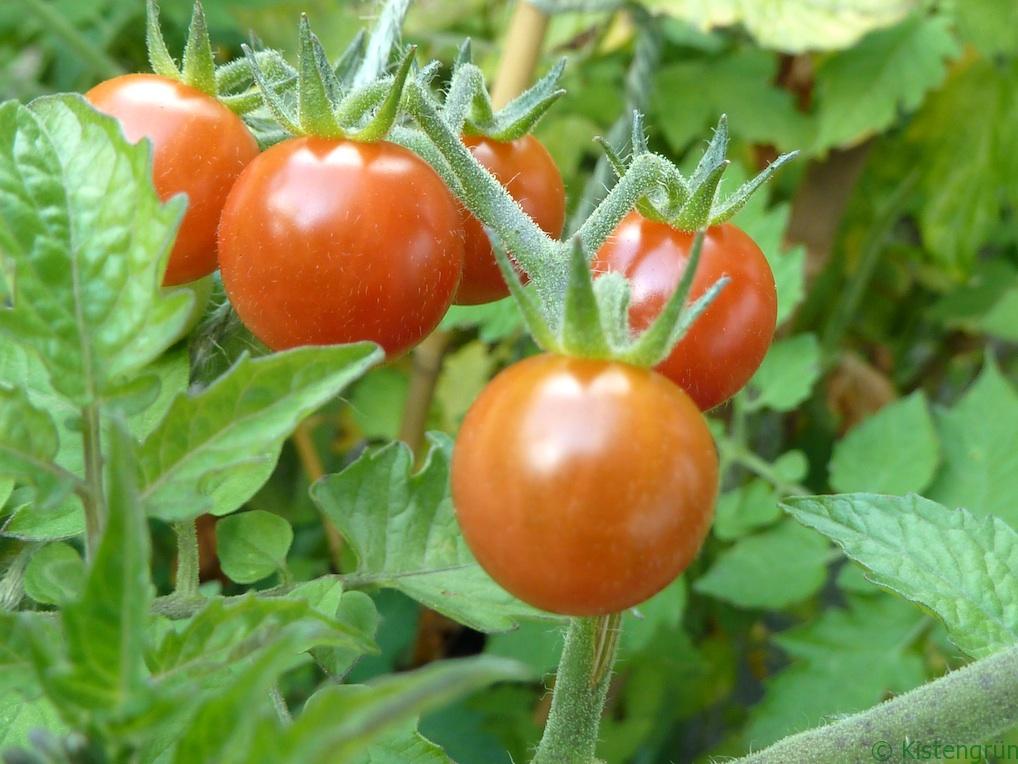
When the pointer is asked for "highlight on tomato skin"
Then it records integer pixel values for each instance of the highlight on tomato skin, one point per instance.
(583, 487)
(326, 241)
(199, 148)
(727, 343)
(532, 178)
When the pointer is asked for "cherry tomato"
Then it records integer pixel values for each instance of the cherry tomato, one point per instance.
(528, 172)
(725, 346)
(199, 148)
(329, 241)
(583, 487)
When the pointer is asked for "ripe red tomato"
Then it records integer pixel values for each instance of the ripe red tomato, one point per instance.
(528, 172)
(330, 241)
(727, 343)
(199, 147)
(583, 487)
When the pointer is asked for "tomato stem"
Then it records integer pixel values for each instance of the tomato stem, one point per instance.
(187, 559)
(93, 498)
(570, 736)
(967, 706)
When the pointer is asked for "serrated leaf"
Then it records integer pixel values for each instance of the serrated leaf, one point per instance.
(253, 545)
(792, 26)
(404, 532)
(29, 443)
(979, 440)
(744, 509)
(788, 373)
(963, 568)
(55, 575)
(895, 451)
(773, 569)
(741, 87)
(863, 90)
(340, 720)
(847, 660)
(966, 136)
(215, 449)
(89, 239)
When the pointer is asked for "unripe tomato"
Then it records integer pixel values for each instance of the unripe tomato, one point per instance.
(529, 174)
(583, 487)
(330, 241)
(199, 147)
(725, 346)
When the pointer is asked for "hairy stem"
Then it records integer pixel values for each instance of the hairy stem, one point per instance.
(54, 22)
(972, 705)
(93, 498)
(187, 559)
(12, 585)
(570, 736)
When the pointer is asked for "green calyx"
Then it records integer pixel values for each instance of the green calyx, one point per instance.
(468, 107)
(230, 83)
(593, 321)
(354, 99)
(693, 203)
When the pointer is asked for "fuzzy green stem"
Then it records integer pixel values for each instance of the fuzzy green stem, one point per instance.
(93, 498)
(972, 705)
(188, 566)
(12, 585)
(54, 22)
(570, 736)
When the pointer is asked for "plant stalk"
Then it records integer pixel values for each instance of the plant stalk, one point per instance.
(188, 566)
(94, 498)
(314, 469)
(520, 53)
(972, 705)
(581, 686)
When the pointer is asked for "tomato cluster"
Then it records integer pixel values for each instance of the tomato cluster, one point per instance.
(582, 486)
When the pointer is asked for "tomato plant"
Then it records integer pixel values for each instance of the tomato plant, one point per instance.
(199, 148)
(723, 349)
(325, 242)
(529, 173)
(583, 487)
(212, 549)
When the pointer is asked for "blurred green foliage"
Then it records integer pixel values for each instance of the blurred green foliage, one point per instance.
(895, 246)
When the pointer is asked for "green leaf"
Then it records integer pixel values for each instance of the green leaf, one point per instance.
(989, 25)
(354, 609)
(55, 575)
(662, 612)
(253, 545)
(29, 524)
(105, 629)
(741, 87)
(494, 320)
(863, 90)
(538, 644)
(895, 451)
(788, 373)
(215, 449)
(19, 717)
(963, 568)
(772, 570)
(404, 532)
(745, 509)
(377, 402)
(792, 26)
(340, 720)
(89, 239)
(403, 745)
(847, 660)
(465, 372)
(225, 720)
(965, 143)
(979, 438)
(28, 448)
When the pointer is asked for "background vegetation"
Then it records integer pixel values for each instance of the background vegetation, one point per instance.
(894, 242)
